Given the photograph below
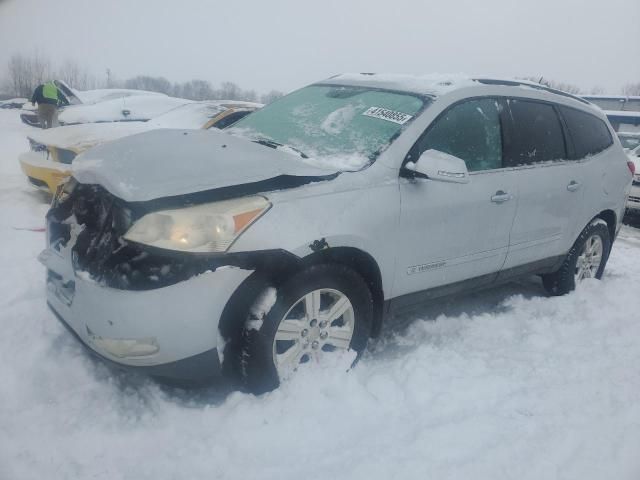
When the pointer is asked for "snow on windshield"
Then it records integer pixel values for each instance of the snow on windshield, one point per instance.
(191, 115)
(336, 127)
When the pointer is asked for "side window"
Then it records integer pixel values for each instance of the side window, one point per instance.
(470, 131)
(535, 134)
(589, 134)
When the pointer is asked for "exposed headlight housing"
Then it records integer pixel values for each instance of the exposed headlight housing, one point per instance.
(207, 228)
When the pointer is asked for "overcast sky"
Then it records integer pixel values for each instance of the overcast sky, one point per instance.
(284, 44)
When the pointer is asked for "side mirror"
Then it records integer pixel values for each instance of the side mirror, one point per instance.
(440, 166)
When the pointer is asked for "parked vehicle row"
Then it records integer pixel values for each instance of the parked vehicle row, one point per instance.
(52, 151)
(631, 143)
(78, 106)
(299, 231)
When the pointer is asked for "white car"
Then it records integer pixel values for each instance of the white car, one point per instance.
(323, 215)
(83, 98)
(631, 143)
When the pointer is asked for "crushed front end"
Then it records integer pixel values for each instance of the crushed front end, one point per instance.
(137, 307)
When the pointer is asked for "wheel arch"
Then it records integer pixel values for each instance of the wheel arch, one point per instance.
(364, 265)
(273, 273)
(611, 218)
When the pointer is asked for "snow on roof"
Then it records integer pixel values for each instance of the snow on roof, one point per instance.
(436, 84)
(432, 84)
(140, 107)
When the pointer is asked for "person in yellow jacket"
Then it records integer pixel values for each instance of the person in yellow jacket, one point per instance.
(48, 97)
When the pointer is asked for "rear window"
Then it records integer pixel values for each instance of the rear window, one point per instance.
(535, 134)
(589, 134)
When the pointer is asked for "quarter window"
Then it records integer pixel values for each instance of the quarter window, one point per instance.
(470, 131)
(535, 134)
(589, 134)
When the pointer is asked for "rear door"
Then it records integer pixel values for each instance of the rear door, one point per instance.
(550, 185)
(449, 231)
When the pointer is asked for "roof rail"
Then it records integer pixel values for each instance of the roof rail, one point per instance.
(516, 83)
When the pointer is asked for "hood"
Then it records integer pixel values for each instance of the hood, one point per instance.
(132, 108)
(168, 163)
(81, 137)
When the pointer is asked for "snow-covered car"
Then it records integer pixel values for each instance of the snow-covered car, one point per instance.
(13, 103)
(630, 141)
(631, 144)
(48, 163)
(320, 217)
(84, 98)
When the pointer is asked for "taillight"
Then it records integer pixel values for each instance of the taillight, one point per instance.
(632, 167)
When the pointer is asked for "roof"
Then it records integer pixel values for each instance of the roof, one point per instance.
(435, 84)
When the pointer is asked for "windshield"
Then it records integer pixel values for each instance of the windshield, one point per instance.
(191, 115)
(332, 126)
(629, 142)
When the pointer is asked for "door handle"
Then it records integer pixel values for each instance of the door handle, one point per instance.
(573, 186)
(501, 197)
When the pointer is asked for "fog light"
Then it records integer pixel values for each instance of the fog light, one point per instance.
(125, 347)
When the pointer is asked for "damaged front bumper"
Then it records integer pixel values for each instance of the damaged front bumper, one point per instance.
(42, 173)
(167, 332)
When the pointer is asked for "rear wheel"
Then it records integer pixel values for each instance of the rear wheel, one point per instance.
(321, 311)
(586, 259)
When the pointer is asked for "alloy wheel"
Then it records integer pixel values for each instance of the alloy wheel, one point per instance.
(320, 322)
(589, 259)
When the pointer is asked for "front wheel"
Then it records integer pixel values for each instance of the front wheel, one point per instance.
(323, 310)
(586, 259)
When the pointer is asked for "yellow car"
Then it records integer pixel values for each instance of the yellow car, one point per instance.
(48, 163)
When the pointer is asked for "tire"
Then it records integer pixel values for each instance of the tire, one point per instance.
(260, 349)
(564, 280)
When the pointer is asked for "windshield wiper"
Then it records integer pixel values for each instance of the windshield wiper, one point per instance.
(273, 144)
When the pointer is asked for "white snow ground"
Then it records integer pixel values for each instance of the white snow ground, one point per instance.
(504, 384)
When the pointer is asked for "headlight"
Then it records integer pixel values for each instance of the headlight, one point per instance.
(211, 227)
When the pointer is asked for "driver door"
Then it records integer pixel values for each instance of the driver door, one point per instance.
(452, 232)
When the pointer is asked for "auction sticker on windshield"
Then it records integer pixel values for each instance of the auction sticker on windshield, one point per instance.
(389, 115)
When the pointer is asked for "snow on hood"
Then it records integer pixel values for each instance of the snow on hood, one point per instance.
(165, 163)
(103, 94)
(83, 136)
(140, 107)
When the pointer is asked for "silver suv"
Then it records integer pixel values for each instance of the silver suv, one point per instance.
(298, 233)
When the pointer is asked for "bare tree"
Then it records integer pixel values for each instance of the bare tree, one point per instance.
(271, 96)
(26, 73)
(631, 89)
(597, 90)
(565, 87)
(152, 84)
(229, 91)
(75, 76)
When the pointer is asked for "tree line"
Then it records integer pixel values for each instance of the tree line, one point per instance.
(25, 73)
